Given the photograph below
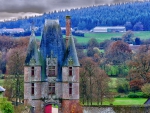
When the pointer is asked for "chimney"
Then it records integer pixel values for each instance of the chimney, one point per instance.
(68, 29)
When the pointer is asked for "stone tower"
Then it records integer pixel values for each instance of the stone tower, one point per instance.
(51, 74)
(32, 76)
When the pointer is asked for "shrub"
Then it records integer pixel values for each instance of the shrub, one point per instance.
(6, 106)
(133, 95)
(137, 95)
(118, 96)
(122, 86)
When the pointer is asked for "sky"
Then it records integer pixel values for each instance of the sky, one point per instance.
(10, 9)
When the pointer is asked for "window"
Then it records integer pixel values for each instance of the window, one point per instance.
(51, 71)
(52, 88)
(32, 71)
(70, 88)
(32, 88)
(70, 71)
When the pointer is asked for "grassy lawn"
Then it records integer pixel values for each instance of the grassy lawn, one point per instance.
(1, 82)
(127, 101)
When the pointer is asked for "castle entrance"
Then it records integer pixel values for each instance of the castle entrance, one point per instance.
(48, 108)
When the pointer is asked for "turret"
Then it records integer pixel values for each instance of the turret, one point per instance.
(32, 76)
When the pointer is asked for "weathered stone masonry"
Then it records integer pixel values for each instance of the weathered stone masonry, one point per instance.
(51, 74)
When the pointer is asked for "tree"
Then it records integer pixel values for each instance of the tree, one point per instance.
(93, 43)
(6, 106)
(128, 26)
(101, 86)
(15, 66)
(135, 85)
(93, 83)
(127, 37)
(118, 52)
(146, 89)
(137, 41)
(122, 86)
(87, 73)
(138, 26)
(139, 66)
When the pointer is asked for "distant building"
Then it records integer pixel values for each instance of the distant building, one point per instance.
(14, 30)
(108, 29)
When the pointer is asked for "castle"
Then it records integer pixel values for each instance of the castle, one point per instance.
(51, 73)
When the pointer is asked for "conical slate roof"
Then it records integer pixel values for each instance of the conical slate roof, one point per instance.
(71, 54)
(32, 57)
(52, 41)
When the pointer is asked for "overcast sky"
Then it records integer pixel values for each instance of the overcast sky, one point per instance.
(17, 8)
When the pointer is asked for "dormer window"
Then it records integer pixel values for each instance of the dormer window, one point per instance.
(70, 71)
(51, 71)
(32, 71)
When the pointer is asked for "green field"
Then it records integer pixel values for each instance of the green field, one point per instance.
(127, 101)
(124, 101)
(104, 36)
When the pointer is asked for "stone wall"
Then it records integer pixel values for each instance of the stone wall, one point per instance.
(117, 109)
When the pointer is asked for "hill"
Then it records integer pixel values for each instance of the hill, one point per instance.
(129, 14)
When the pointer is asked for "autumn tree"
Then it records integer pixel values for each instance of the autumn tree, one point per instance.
(140, 65)
(86, 74)
(15, 66)
(101, 89)
(136, 84)
(146, 89)
(93, 82)
(91, 44)
(118, 53)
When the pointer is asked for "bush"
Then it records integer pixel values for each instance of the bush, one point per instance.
(137, 95)
(118, 96)
(133, 95)
(6, 106)
(122, 86)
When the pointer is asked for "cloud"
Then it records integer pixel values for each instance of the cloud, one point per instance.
(16, 8)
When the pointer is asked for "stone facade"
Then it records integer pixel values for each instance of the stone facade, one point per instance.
(51, 74)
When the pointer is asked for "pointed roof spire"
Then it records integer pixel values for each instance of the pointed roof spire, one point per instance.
(32, 52)
(71, 54)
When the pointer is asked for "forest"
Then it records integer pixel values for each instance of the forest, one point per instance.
(132, 15)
